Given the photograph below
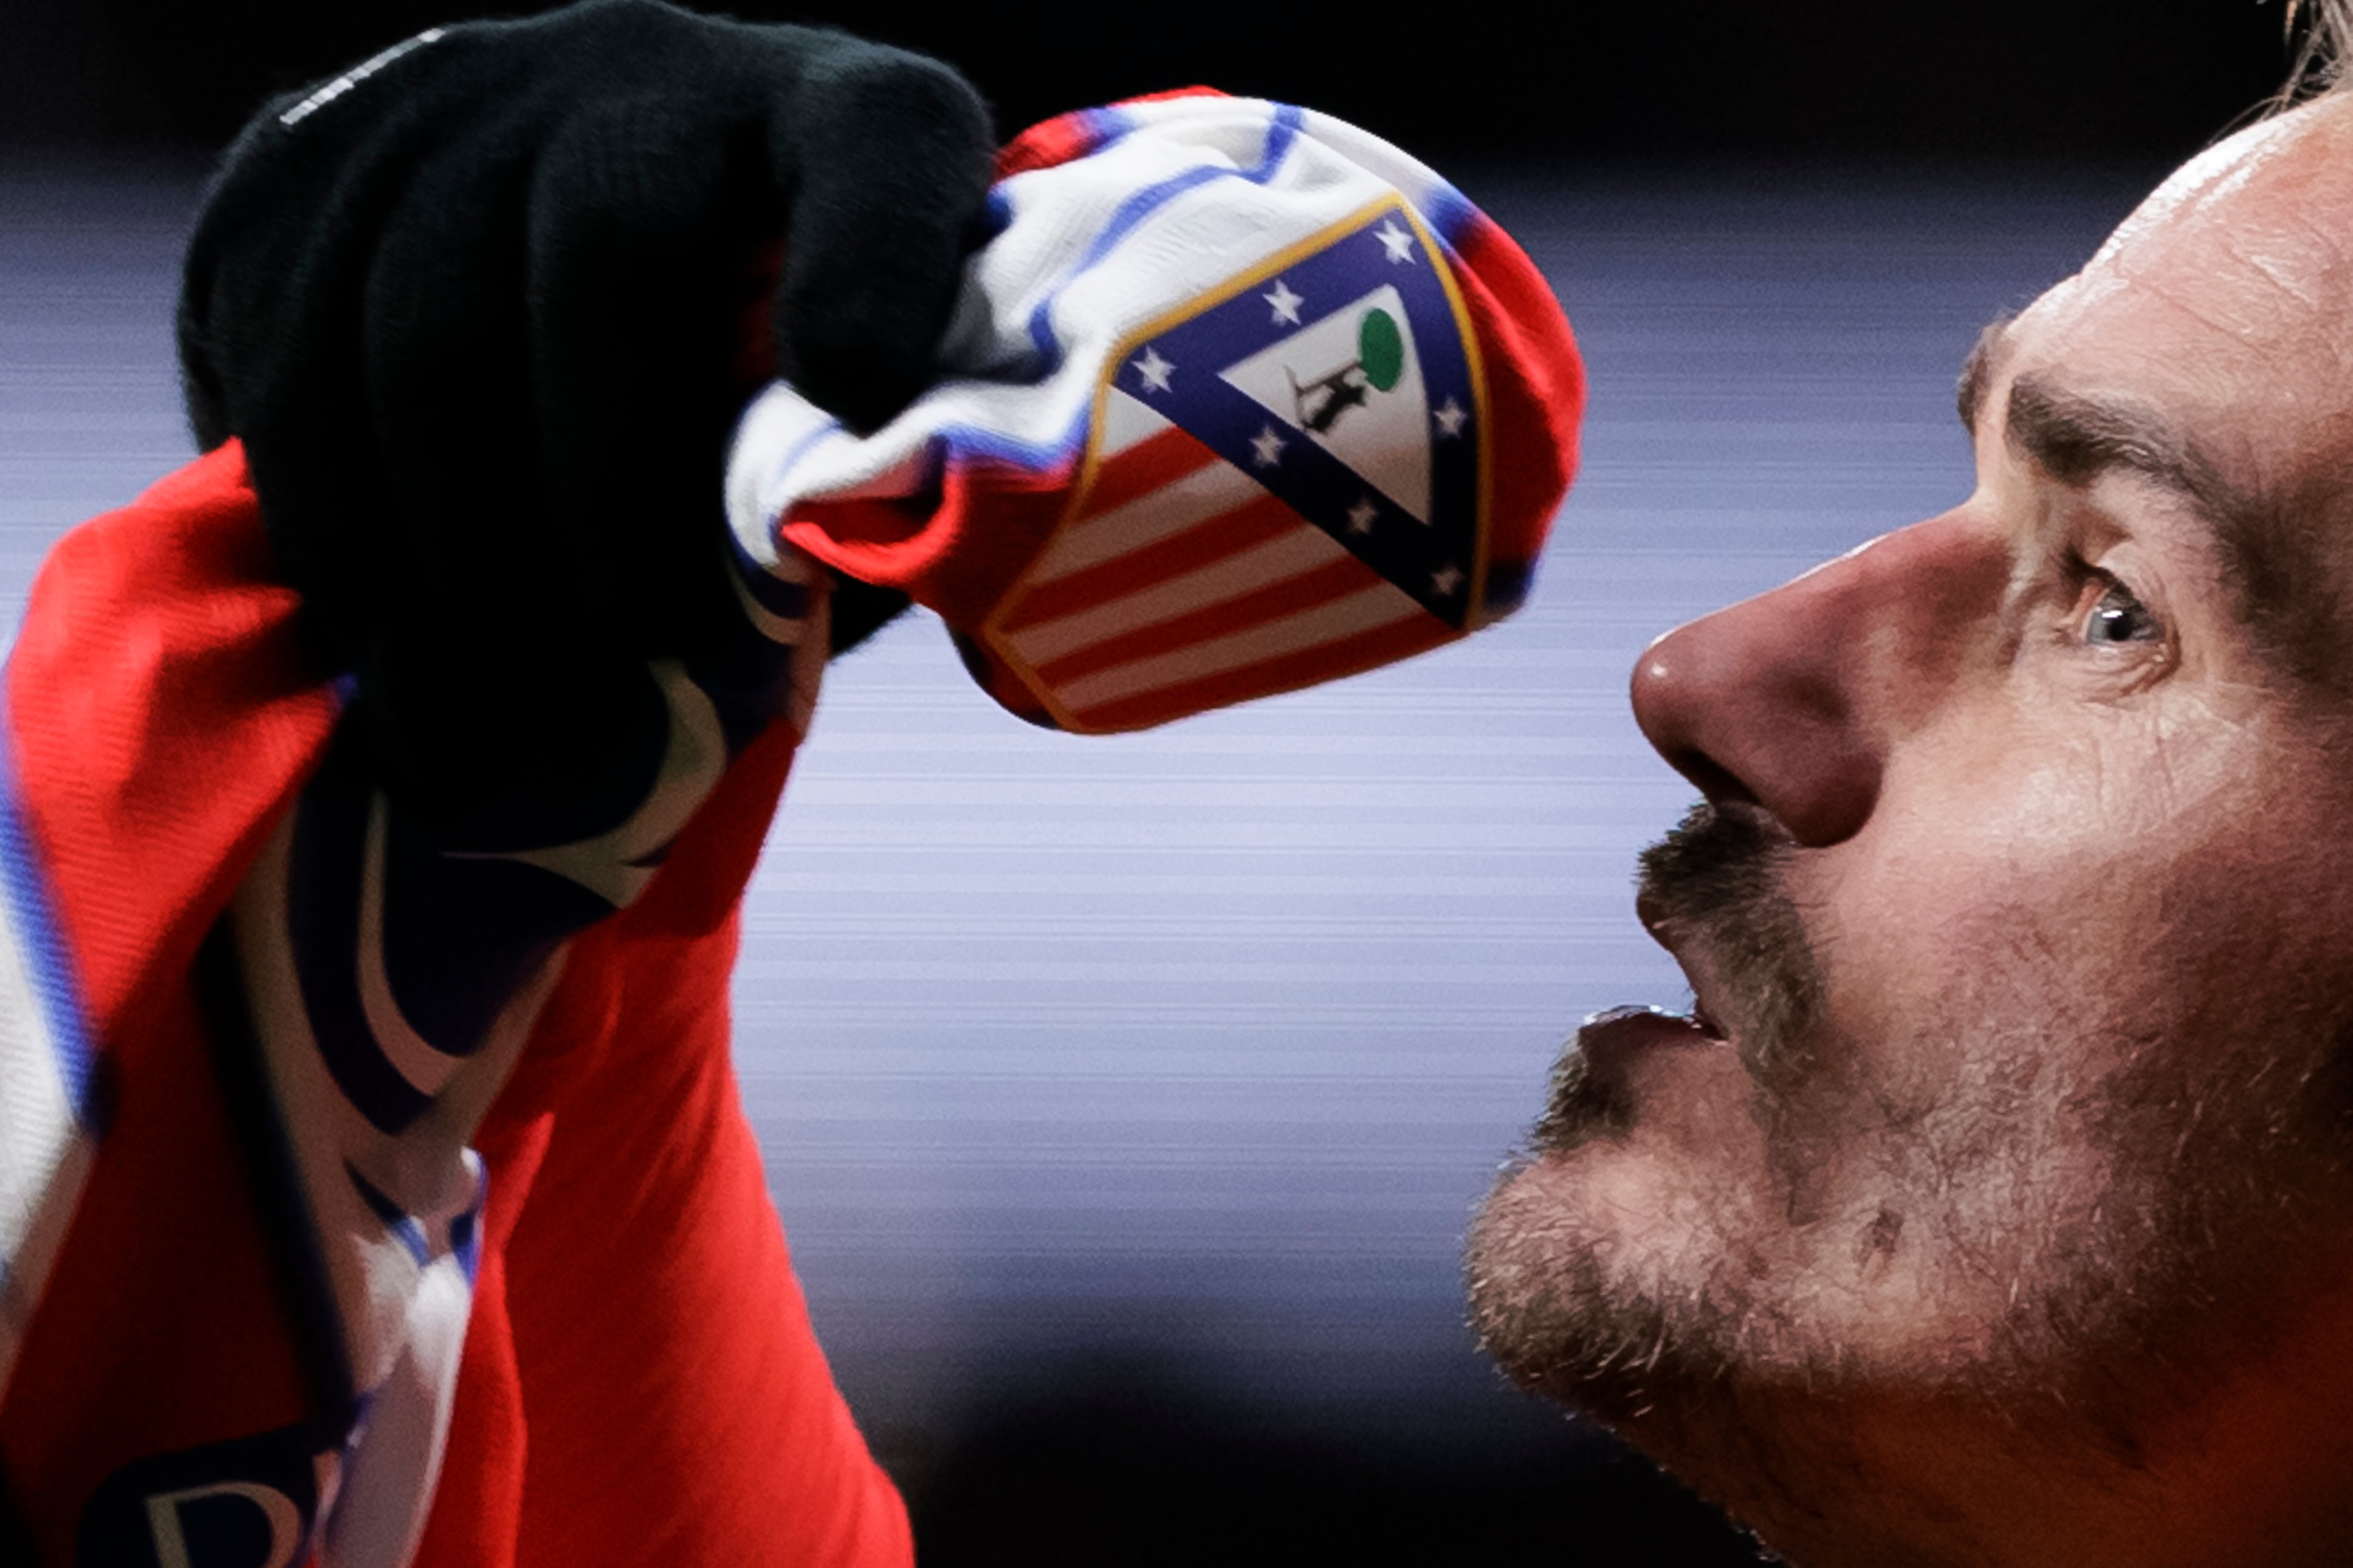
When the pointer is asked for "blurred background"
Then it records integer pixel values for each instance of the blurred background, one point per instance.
(1127, 1099)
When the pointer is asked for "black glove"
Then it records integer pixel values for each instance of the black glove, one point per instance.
(480, 309)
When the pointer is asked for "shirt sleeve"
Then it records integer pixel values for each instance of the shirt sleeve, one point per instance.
(409, 973)
(302, 1007)
(680, 1407)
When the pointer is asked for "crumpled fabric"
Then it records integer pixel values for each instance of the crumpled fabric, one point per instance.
(1240, 398)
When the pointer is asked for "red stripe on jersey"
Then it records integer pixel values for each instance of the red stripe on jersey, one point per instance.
(1210, 540)
(1325, 661)
(1140, 469)
(1319, 585)
(1047, 143)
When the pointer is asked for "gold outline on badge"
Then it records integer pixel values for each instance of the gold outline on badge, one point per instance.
(1090, 464)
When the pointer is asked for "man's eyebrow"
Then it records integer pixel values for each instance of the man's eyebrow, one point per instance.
(2078, 437)
(2282, 588)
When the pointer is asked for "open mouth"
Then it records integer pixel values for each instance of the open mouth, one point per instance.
(1611, 1041)
(1711, 894)
(1642, 1024)
(1593, 1086)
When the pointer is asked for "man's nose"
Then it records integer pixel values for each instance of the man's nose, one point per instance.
(1790, 700)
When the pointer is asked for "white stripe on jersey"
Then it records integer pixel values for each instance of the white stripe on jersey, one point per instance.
(1378, 605)
(45, 1152)
(1207, 491)
(1287, 555)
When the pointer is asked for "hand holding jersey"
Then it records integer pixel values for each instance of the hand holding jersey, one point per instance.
(1236, 398)
(481, 335)
(479, 312)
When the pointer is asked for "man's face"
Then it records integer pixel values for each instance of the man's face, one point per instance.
(2010, 1130)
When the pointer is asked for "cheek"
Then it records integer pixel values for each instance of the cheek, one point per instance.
(1957, 888)
(2079, 885)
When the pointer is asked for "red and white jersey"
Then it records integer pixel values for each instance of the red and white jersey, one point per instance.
(285, 1249)
(1240, 398)
(373, 1190)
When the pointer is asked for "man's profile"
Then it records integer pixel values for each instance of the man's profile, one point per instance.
(1991, 1205)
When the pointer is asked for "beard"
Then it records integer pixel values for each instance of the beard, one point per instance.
(2060, 1196)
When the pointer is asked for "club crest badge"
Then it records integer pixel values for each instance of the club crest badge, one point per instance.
(1285, 481)
(1237, 398)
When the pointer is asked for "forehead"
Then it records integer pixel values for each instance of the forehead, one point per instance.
(2224, 303)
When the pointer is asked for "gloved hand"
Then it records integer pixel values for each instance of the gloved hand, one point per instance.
(479, 312)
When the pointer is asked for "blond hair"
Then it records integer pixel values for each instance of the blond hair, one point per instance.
(2322, 31)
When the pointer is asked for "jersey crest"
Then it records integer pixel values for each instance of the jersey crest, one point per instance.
(1286, 481)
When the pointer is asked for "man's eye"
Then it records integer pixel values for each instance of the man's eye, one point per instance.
(2118, 618)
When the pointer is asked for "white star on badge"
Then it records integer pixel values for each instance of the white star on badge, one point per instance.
(1361, 515)
(1287, 304)
(1445, 580)
(1268, 446)
(1153, 369)
(1450, 415)
(1394, 240)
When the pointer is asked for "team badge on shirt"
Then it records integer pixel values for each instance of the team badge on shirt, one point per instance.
(1285, 482)
(1237, 399)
